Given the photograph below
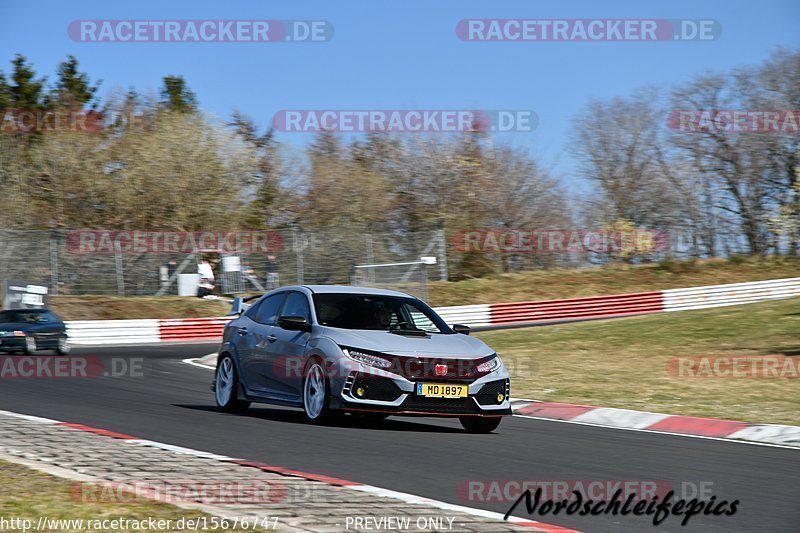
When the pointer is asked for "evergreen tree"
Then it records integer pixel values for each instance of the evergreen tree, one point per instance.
(26, 91)
(73, 89)
(176, 95)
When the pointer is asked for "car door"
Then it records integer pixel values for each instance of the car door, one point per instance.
(288, 350)
(243, 339)
(255, 335)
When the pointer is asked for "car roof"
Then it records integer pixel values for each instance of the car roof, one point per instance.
(347, 289)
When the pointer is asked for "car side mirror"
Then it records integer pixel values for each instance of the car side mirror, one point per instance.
(294, 323)
(461, 328)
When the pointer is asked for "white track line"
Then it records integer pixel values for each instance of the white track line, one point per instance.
(723, 439)
(179, 449)
(192, 361)
(30, 418)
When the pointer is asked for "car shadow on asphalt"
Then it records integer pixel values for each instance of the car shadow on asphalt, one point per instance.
(291, 416)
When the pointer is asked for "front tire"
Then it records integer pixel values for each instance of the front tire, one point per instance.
(316, 394)
(226, 387)
(63, 346)
(479, 425)
(30, 345)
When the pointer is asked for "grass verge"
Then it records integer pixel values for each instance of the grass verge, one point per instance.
(118, 307)
(28, 494)
(623, 363)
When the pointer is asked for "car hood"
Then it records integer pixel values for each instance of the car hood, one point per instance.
(455, 346)
(12, 326)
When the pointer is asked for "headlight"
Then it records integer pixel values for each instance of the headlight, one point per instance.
(489, 366)
(18, 333)
(367, 359)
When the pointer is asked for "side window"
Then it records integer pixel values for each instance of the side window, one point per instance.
(267, 312)
(252, 310)
(297, 305)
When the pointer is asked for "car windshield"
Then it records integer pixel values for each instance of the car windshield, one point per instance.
(20, 316)
(377, 312)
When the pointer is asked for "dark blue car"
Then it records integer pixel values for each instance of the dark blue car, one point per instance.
(29, 330)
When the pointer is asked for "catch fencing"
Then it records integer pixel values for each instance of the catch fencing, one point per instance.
(60, 261)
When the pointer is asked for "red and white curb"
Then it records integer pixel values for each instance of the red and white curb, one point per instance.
(712, 428)
(361, 487)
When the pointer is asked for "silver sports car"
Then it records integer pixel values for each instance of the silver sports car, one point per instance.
(369, 352)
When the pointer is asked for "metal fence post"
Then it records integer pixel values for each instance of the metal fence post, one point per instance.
(119, 269)
(443, 275)
(53, 266)
(370, 258)
(298, 250)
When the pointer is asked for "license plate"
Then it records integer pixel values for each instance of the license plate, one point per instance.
(441, 390)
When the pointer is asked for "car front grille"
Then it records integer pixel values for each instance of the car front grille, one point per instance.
(454, 406)
(376, 387)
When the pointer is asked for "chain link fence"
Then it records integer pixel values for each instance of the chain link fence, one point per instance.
(115, 263)
(125, 263)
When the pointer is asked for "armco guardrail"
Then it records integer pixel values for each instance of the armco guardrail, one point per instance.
(732, 294)
(576, 308)
(113, 331)
(189, 329)
(478, 316)
(470, 315)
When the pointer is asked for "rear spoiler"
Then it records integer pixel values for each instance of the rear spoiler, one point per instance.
(240, 304)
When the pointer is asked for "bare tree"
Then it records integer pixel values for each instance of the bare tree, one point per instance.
(617, 143)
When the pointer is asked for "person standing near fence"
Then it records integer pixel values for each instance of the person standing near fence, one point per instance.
(206, 273)
(273, 270)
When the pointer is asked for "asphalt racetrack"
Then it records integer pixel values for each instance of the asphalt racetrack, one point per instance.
(171, 402)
